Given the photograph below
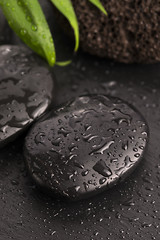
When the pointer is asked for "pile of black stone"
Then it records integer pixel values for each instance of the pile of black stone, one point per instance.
(83, 147)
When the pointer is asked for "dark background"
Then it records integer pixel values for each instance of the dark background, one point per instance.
(131, 210)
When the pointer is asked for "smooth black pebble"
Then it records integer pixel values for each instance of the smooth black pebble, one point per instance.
(5, 31)
(26, 90)
(86, 146)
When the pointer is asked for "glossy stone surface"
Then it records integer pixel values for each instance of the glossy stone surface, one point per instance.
(86, 146)
(5, 31)
(129, 210)
(26, 90)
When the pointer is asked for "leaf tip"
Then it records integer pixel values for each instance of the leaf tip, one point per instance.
(63, 64)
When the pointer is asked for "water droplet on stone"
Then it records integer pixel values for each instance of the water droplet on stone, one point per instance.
(22, 99)
(102, 180)
(102, 168)
(90, 157)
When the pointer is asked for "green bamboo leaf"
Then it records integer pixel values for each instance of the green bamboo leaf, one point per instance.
(99, 5)
(66, 8)
(26, 18)
(63, 64)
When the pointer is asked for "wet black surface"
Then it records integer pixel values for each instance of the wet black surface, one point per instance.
(85, 146)
(5, 31)
(130, 210)
(26, 90)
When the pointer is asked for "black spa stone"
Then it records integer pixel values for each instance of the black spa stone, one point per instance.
(5, 31)
(85, 146)
(26, 90)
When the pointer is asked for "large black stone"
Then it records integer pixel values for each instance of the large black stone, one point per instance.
(26, 90)
(86, 146)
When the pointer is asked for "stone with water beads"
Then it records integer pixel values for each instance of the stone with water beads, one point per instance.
(26, 90)
(85, 146)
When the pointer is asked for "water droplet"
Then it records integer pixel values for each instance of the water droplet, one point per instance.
(141, 147)
(114, 160)
(34, 28)
(135, 149)
(102, 149)
(40, 138)
(63, 131)
(23, 32)
(28, 18)
(125, 145)
(102, 180)
(137, 155)
(56, 142)
(51, 39)
(85, 173)
(19, 2)
(102, 168)
(77, 164)
(14, 182)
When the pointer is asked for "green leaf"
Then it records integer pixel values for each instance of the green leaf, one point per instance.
(66, 8)
(26, 18)
(63, 64)
(99, 5)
